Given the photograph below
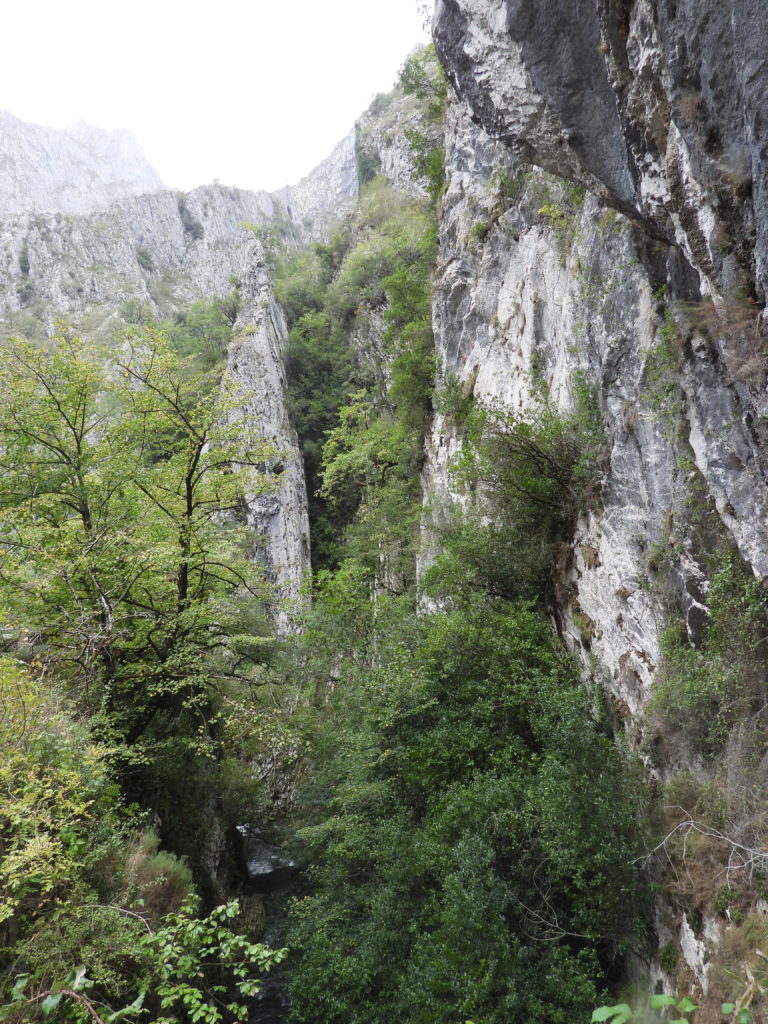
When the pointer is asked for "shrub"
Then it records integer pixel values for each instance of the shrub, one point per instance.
(703, 692)
(422, 75)
(480, 231)
(367, 161)
(454, 399)
(201, 335)
(161, 882)
(191, 225)
(24, 260)
(526, 478)
(26, 292)
(737, 325)
(144, 258)
(134, 311)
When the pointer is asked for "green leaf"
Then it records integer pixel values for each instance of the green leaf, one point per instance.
(50, 1003)
(743, 1016)
(618, 1014)
(658, 1002)
(78, 979)
(17, 992)
(727, 1007)
(127, 1011)
(686, 1005)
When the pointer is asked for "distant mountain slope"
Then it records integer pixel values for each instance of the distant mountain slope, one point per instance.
(79, 169)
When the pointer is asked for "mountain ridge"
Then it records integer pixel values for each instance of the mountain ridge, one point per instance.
(77, 169)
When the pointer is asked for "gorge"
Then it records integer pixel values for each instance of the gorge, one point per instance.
(499, 691)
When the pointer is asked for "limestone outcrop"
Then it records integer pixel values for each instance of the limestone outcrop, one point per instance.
(658, 107)
(255, 361)
(79, 169)
(604, 227)
(657, 308)
(146, 257)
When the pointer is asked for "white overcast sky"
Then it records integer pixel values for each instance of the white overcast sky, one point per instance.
(252, 92)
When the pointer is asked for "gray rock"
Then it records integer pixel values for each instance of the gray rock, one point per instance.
(255, 361)
(523, 307)
(659, 108)
(77, 170)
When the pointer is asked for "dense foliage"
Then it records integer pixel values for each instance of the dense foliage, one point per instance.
(360, 345)
(472, 834)
(469, 828)
(130, 614)
(120, 571)
(81, 884)
(525, 479)
(706, 690)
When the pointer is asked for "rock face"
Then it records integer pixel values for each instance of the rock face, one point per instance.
(78, 242)
(265, 866)
(571, 297)
(157, 252)
(325, 193)
(567, 289)
(658, 107)
(77, 170)
(604, 228)
(382, 140)
(255, 361)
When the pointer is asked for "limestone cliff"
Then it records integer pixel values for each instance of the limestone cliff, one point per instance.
(255, 361)
(603, 230)
(321, 197)
(75, 170)
(79, 243)
(150, 256)
(157, 251)
(604, 224)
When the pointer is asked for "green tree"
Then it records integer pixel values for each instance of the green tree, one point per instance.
(123, 566)
(525, 480)
(54, 783)
(473, 838)
(201, 334)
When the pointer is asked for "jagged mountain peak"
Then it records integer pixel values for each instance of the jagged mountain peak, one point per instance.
(78, 169)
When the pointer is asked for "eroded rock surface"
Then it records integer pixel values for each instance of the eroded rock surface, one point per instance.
(657, 106)
(255, 361)
(75, 170)
(605, 228)
(541, 284)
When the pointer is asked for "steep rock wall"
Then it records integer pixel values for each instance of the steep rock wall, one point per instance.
(159, 250)
(77, 170)
(646, 285)
(382, 136)
(151, 255)
(325, 193)
(657, 106)
(582, 290)
(255, 361)
(513, 311)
